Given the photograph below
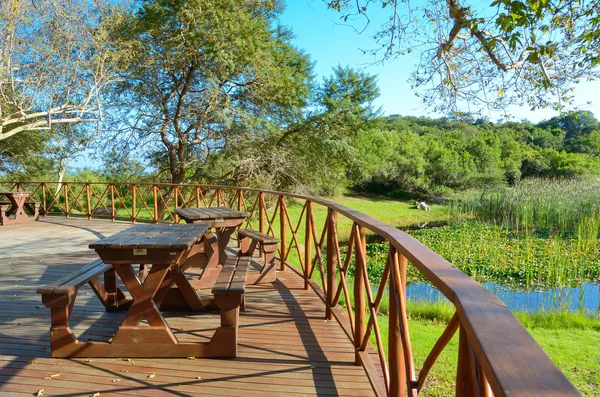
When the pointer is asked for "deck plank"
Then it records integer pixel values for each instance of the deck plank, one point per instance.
(285, 346)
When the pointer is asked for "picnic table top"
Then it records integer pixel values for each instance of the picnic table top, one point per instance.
(199, 214)
(161, 236)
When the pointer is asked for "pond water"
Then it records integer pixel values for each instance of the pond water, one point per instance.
(586, 297)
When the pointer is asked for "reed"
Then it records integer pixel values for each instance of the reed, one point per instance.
(557, 206)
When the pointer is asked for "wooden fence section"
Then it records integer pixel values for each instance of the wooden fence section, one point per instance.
(496, 354)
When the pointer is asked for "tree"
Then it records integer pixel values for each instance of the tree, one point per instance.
(491, 54)
(197, 75)
(54, 62)
(313, 148)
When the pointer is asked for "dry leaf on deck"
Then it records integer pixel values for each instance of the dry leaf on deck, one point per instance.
(97, 394)
(39, 393)
(152, 375)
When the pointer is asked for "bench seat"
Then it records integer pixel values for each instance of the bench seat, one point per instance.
(60, 297)
(250, 241)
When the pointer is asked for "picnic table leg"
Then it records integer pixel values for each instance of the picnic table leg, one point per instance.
(212, 269)
(224, 235)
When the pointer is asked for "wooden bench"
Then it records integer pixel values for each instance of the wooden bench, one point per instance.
(228, 293)
(250, 240)
(60, 296)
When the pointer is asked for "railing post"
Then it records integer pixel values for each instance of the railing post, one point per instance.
(133, 203)
(360, 321)
(239, 200)
(261, 212)
(176, 203)
(112, 202)
(155, 203)
(464, 377)
(197, 190)
(88, 202)
(66, 194)
(395, 348)
(331, 261)
(308, 242)
(44, 205)
(282, 233)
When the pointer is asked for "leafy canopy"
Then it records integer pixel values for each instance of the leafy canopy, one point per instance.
(491, 53)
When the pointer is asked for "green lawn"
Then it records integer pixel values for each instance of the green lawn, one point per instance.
(573, 348)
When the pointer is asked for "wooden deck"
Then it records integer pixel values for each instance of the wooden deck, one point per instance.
(286, 347)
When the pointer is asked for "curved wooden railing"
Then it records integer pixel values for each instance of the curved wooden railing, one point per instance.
(496, 355)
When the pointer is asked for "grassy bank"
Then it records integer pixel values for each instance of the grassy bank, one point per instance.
(570, 339)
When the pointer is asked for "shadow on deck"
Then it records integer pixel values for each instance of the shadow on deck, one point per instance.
(285, 345)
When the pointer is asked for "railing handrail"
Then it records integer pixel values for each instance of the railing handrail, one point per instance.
(499, 351)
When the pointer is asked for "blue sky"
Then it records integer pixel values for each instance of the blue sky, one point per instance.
(322, 35)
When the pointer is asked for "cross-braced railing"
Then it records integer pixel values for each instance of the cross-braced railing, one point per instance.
(496, 355)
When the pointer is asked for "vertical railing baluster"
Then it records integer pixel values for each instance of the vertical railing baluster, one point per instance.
(197, 190)
(308, 242)
(155, 197)
(87, 201)
(112, 202)
(176, 203)
(44, 205)
(282, 232)
(133, 203)
(261, 212)
(240, 203)
(360, 320)
(66, 195)
(395, 349)
(465, 386)
(331, 261)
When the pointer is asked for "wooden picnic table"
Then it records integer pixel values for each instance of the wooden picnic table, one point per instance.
(165, 248)
(224, 220)
(14, 208)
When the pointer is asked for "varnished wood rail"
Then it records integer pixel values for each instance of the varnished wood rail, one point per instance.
(496, 355)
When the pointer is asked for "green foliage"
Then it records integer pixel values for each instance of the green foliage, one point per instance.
(428, 157)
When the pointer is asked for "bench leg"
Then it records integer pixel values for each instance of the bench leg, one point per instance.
(229, 306)
(61, 307)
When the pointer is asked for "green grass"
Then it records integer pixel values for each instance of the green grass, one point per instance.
(570, 339)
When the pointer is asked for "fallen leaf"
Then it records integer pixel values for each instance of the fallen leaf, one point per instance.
(152, 375)
(130, 361)
(88, 361)
(191, 358)
(115, 380)
(31, 362)
(197, 377)
(97, 394)
(39, 393)
(124, 370)
(52, 376)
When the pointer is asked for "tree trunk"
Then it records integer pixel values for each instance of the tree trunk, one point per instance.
(62, 170)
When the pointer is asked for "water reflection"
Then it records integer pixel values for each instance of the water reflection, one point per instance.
(586, 297)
